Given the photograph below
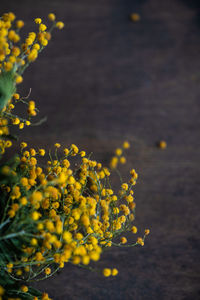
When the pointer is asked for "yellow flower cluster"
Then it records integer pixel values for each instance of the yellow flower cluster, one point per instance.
(73, 214)
(118, 157)
(8, 118)
(63, 210)
(16, 57)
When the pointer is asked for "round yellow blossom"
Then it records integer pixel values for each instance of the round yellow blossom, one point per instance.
(114, 272)
(19, 79)
(16, 121)
(147, 231)
(35, 215)
(106, 272)
(60, 25)
(24, 181)
(33, 161)
(47, 271)
(122, 160)
(123, 240)
(29, 41)
(66, 151)
(76, 260)
(36, 46)
(162, 145)
(24, 288)
(41, 152)
(23, 201)
(126, 145)
(8, 144)
(38, 21)
(134, 229)
(51, 17)
(32, 55)
(16, 96)
(19, 24)
(124, 186)
(32, 152)
(34, 242)
(57, 145)
(8, 66)
(67, 236)
(118, 151)
(21, 125)
(82, 153)
(135, 17)
(86, 259)
(42, 27)
(9, 265)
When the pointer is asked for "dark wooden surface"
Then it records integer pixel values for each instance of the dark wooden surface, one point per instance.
(104, 79)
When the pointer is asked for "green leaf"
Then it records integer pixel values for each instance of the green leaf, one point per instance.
(7, 88)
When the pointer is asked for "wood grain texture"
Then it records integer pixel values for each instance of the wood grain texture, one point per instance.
(104, 79)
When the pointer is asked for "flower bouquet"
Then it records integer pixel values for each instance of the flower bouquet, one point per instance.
(57, 210)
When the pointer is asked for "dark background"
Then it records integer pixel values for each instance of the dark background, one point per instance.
(104, 79)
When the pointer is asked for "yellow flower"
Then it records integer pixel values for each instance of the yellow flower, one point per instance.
(21, 125)
(24, 288)
(47, 271)
(19, 24)
(140, 241)
(82, 153)
(32, 55)
(123, 240)
(42, 27)
(118, 151)
(126, 145)
(147, 231)
(85, 259)
(8, 66)
(19, 79)
(57, 145)
(23, 201)
(162, 145)
(135, 17)
(66, 151)
(106, 272)
(51, 17)
(34, 242)
(67, 236)
(60, 25)
(16, 121)
(124, 186)
(32, 152)
(74, 149)
(35, 215)
(114, 162)
(41, 152)
(16, 96)
(38, 21)
(11, 213)
(134, 229)
(122, 160)
(24, 181)
(114, 272)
